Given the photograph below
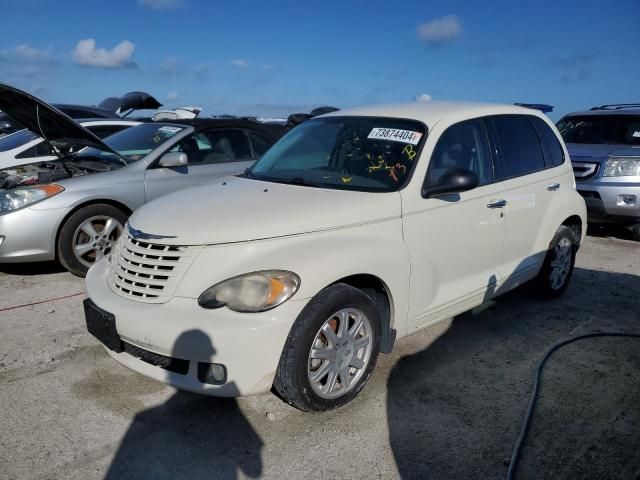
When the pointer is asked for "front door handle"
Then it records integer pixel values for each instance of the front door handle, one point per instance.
(497, 204)
(553, 187)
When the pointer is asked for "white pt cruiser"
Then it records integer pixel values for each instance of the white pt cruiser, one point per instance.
(356, 228)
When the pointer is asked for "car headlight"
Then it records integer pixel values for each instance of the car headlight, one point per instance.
(252, 292)
(622, 167)
(21, 197)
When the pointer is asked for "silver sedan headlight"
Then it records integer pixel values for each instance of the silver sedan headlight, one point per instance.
(252, 292)
(622, 167)
(21, 197)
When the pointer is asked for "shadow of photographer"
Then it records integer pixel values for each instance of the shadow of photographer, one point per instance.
(190, 435)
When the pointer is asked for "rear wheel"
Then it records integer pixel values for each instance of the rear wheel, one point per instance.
(88, 235)
(557, 269)
(331, 350)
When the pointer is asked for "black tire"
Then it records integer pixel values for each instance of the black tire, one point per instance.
(543, 284)
(635, 232)
(65, 246)
(292, 382)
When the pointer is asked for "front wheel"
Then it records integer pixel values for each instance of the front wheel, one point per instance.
(88, 235)
(557, 268)
(331, 350)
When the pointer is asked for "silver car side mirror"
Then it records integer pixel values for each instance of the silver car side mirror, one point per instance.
(173, 159)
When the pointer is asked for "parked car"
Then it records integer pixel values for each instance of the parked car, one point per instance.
(110, 108)
(26, 146)
(74, 208)
(355, 228)
(604, 144)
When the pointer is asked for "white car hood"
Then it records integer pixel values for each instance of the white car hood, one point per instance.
(238, 210)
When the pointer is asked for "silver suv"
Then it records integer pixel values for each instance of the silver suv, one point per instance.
(604, 145)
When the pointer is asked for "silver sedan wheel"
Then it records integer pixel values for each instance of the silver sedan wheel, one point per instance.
(340, 353)
(561, 263)
(94, 238)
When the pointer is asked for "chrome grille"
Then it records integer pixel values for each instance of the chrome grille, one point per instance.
(147, 272)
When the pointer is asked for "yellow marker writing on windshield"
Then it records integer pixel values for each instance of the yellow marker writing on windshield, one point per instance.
(409, 151)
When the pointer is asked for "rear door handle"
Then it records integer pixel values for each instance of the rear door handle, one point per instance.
(553, 187)
(497, 204)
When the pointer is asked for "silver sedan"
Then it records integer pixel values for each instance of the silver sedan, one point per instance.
(74, 208)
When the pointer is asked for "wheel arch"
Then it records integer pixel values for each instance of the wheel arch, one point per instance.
(574, 222)
(374, 287)
(80, 206)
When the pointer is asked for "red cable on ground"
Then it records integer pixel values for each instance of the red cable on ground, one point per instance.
(41, 301)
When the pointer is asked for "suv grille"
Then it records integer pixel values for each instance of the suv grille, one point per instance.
(583, 170)
(147, 272)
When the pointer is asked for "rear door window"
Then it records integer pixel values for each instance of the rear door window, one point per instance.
(553, 153)
(519, 147)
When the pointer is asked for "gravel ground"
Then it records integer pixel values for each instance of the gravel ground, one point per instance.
(447, 403)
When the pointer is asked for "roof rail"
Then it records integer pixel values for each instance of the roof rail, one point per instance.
(617, 106)
(544, 108)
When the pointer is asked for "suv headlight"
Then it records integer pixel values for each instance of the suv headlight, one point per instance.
(21, 197)
(622, 167)
(252, 292)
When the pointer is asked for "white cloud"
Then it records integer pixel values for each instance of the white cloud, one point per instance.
(172, 96)
(87, 54)
(162, 4)
(239, 63)
(424, 97)
(29, 53)
(440, 31)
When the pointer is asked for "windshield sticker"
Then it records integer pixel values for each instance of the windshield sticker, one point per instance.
(636, 134)
(172, 130)
(395, 135)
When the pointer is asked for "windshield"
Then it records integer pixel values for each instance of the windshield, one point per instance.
(603, 129)
(353, 153)
(15, 140)
(135, 142)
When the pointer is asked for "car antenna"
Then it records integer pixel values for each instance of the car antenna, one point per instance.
(54, 149)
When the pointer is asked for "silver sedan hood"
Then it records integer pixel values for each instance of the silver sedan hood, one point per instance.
(46, 121)
(238, 210)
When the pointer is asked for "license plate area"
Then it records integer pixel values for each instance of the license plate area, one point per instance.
(102, 325)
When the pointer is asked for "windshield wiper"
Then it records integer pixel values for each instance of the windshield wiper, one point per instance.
(300, 181)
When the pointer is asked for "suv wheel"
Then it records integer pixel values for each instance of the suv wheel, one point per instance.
(635, 232)
(557, 269)
(88, 235)
(331, 350)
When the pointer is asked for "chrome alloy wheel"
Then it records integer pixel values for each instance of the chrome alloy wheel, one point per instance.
(94, 238)
(561, 263)
(340, 353)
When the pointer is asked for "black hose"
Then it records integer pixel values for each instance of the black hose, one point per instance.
(534, 394)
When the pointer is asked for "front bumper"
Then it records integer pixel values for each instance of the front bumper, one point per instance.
(249, 345)
(29, 235)
(606, 201)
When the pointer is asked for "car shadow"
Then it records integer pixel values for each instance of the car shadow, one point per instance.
(190, 435)
(30, 269)
(455, 408)
(604, 231)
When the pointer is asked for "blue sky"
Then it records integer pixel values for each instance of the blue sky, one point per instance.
(274, 58)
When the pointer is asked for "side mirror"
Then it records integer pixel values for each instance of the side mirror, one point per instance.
(173, 159)
(454, 180)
